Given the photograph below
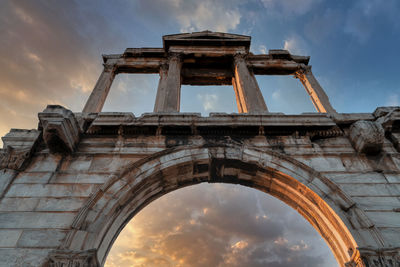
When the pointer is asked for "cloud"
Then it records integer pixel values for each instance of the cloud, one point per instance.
(48, 57)
(218, 225)
(262, 49)
(362, 17)
(324, 25)
(295, 45)
(289, 7)
(393, 100)
(193, 15)
(209, 101)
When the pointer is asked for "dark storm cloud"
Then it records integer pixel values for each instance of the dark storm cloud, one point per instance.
(217, 225)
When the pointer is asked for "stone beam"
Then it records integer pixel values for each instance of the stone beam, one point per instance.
(248, 95)
(314, 89)
(99, 94)
(208, 51)
(207, 76)
(139, 65)
(267, 66)
(169, 88)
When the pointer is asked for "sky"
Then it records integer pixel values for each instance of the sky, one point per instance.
(51, 54)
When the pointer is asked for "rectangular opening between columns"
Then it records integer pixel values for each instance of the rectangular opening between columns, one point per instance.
(132, 93)
(284, 94)
(206, 99)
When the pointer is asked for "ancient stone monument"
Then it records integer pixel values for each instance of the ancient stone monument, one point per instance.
(68, 188)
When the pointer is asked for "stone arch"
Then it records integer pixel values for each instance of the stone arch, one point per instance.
(315, 197)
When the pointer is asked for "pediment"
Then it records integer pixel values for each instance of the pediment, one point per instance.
(206, 38)
(206, 35)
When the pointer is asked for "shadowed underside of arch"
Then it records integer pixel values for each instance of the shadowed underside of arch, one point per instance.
(315, 197)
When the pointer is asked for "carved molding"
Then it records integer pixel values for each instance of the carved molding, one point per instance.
(367, 136)
(60, 129)
(67, 258)
(368, 257)
(18, 147)
(388, 117)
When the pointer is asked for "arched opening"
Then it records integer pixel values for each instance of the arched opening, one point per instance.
(219, 225)
(315, 197)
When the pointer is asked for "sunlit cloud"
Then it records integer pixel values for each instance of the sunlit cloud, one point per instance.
(295, 45)
(209, 101)
(213, 225)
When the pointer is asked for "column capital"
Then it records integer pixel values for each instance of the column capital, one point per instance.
(175, 56)
(303, 69)
(163, 67)
(314, 89)
(239, 57)
(61, 258)
(109, 67)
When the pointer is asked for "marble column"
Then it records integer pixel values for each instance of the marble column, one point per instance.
(99, 94)
(248, 95)
(169, 87)
(314, 89)
(162, 88)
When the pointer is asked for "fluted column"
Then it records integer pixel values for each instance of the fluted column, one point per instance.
(169, 86)
(248, 94)
(99, 94)
(314, 89)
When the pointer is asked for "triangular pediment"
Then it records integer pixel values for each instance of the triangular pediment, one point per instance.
(206, 35)
(206, 38)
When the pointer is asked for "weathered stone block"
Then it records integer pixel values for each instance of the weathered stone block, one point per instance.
(395, 138)
(44, 163)
(33, 177)
(354, 178)
(6, 177)
(18, 204)
(378, 203)
(367, 136)
(384, 218)
(41, 238)
(36, 220)
(60, 204)
(60, 128)
(49, 190)
(23, 257)
(9, 238)
(20, 138)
